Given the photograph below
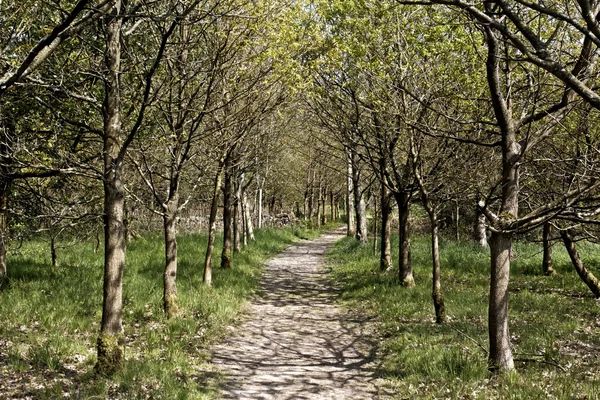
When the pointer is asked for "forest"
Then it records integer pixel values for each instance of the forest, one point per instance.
(154, 154)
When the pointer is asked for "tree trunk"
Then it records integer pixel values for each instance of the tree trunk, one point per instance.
(324, 206)
(260, 201)
(226, 255)
(332, 213)
(385, 261)
(53, 249)
(319, 210)
(375, 221)
(437, 295)
(111, 341)
(404, 262)
(4, 192)
(243, 223)
(547, 265)
(170, 274)
(586, 276)
(249, 226)
(237, 218)
(480, 229)
(311, 206)
(351, 227)
(457, 222)
(305, 205)
(500, 356)
(212, 226)
(359, 202)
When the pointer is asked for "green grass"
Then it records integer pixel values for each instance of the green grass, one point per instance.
(554, 323)
(50, 318)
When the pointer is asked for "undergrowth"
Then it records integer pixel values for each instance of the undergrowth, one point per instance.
(51, 318)
(554, 323)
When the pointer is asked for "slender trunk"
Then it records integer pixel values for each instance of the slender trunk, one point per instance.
(305, 205)
(385, 261)
(351, 228)
(375, 221)
(480, 230)
(243, 223)
(310, 203)
(226, 255)
(404, 262)
(237, 218)
(500, 356)
(586, 276)
(4, 192)
(324, 206)
(170, 274)
(212, 226)
(437, 295)
(111, 340)
(457, 222)
(53, 249)
(500, 350)
(547, 265)
(333, 216)
(319, 210)
(98, 242)
(260, 201)
(359, 202)
(249, 226)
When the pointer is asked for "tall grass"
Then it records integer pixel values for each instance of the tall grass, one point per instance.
(554, 322)
(50, 318)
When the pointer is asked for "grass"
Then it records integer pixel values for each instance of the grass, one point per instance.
(554, 323)
(51, 318)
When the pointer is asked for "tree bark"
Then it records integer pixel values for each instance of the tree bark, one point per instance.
(332, 214)
(226, 255)
(4, 192)
(351, 227)
(248, 217)
(170, 273)
(319, 210)
(457, 222)
(586, 276)
(547, 265)
(311, 206)
(404, 262)
(375, 227)
(437, 295)
(110, 342)
(359, 202)
(385, 260)
(212, 226)
(480, 229)
(53, 249)
(500, 356)
(324, 206)
(260, 200)
(237, 218)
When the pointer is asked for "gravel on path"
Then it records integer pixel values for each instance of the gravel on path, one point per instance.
(296, 342)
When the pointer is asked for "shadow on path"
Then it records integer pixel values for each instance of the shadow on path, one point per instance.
(297, 344)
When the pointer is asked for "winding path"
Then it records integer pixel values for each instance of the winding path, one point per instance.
(296, 343)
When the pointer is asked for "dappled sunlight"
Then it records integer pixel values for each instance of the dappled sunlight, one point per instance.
(296, 343)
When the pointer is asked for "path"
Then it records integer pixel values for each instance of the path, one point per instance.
(296, 343)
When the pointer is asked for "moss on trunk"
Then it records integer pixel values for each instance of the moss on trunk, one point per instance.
(110, 354)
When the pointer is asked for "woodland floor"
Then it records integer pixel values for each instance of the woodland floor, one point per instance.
(296, 343)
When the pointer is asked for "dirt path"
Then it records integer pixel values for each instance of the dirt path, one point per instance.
(296, 343)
